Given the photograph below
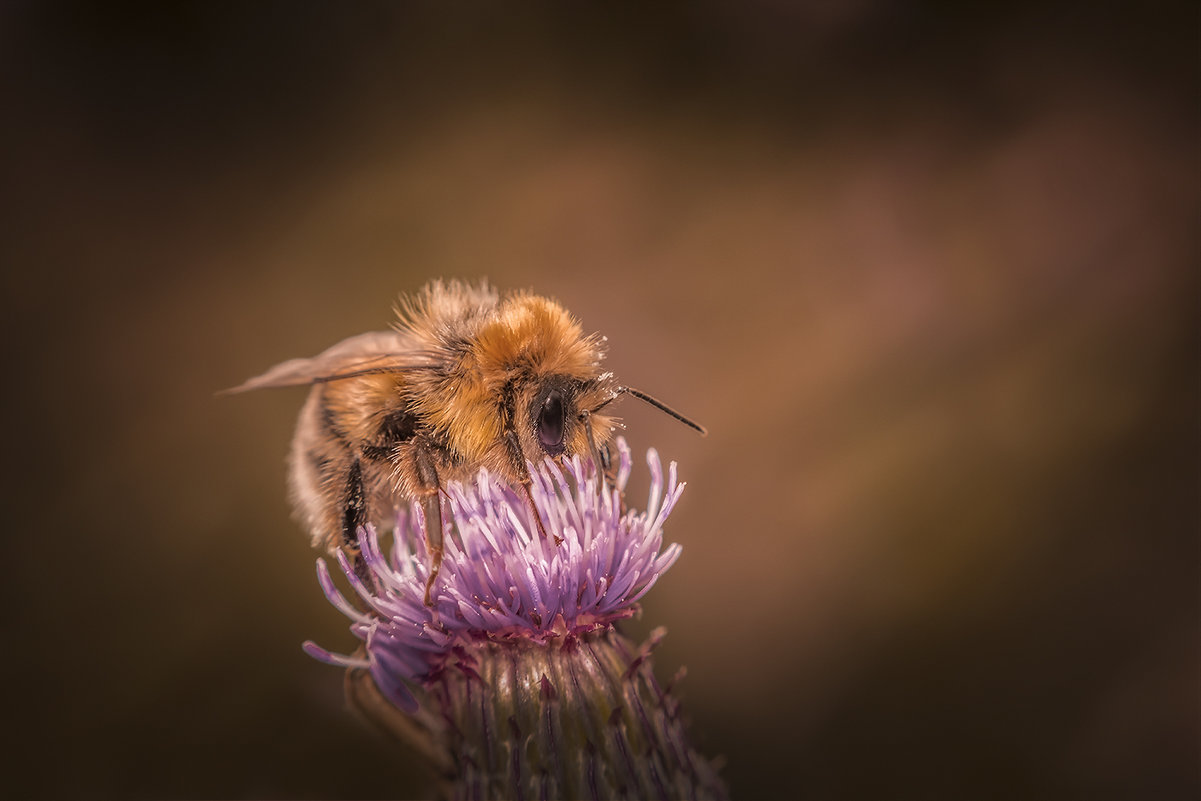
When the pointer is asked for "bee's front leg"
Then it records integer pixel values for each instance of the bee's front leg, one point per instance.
(602, 459)
(523, 478)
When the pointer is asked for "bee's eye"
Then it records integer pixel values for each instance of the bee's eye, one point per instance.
(550, 424)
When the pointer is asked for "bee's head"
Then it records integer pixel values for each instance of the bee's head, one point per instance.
(555, 412)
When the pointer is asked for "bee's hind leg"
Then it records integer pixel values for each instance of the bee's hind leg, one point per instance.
(354, 516)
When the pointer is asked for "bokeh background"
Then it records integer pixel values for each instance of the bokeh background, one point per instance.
(929, 275)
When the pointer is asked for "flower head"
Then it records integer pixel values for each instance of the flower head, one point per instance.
(501, 579)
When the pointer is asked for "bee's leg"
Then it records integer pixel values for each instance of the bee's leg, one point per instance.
(586, 419)
(607, 466)
(611, 475)
(529, 496)
(354, 516)
(431, 504)
(523, 476)
(602, 460)
(606, 459)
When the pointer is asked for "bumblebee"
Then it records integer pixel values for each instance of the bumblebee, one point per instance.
(465, 379)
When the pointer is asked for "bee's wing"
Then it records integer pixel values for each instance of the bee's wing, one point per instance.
(373, 352)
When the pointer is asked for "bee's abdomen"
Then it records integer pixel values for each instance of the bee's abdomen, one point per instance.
(320, 457)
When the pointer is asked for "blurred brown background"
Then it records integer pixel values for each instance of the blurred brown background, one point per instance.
(930, 276)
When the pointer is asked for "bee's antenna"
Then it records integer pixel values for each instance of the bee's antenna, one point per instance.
(658, 404)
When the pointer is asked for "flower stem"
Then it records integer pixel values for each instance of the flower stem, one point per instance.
(577, 717)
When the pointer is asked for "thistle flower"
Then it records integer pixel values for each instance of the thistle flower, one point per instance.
(516, 682)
